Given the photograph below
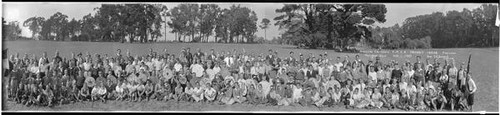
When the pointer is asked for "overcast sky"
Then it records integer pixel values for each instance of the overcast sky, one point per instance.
(396, 12)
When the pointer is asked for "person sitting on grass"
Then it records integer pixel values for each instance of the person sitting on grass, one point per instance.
(19, 93)
(159, 91)
(261, 97)
(287, 94)
(101, 93)
(252, 95)
(419, 100)
(132, 91)
(376, 98)
(210, 92)
(228, 94)
(149, 89)
(178, 92)
(126, 91)
(394, 99)
(412, 94)
(168, 90)
(94, 93)
(354, 98)
(118, 92)
(439, 99)
(35, 94)
(274, 95)
(101, 80)
(197, 92)
(297, 93)
(336, 96)
(386, 98)
(365, 100)
(141, 90)
(84, 92)
(324, 96)
(49, 95)
(111, 83)
(238, 93)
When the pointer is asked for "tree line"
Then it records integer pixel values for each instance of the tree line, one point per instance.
(310, 25)
(143, 23)
(10, 30)
(466, 28)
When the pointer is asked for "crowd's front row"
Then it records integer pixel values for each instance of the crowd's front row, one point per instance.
(229, 79)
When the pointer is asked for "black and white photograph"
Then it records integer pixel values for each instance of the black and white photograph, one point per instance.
(250, 57)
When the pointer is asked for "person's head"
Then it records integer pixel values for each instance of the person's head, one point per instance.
(418, 58)
(394, 81)
(371, 68)
(356, 90)
(66, 71)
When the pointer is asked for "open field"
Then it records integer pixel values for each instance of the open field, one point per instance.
(484, 68)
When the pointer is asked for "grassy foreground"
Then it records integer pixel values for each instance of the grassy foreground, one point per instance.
(484, 68)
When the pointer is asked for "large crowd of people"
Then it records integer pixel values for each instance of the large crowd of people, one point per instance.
(230, 77)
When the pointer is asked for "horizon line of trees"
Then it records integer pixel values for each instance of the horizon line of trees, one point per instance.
(143, 23)
(312, 25)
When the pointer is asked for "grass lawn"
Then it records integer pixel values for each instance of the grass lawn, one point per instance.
(484, 68)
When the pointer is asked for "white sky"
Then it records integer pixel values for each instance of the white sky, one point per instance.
(396, 12)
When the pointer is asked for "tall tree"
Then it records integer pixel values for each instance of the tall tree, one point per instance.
(308, 23)
(264, 24)
(58, 22)
(12, 31)
(165, 14)
(35, 25)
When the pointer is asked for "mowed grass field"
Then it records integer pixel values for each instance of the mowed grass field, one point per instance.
(484, 68)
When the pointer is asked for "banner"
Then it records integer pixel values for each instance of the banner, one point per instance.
(409, 54)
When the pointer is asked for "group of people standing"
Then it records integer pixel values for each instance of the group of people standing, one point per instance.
(230, 77)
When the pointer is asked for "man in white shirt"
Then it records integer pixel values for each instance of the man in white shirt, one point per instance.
(229, 59)
(338, 64)
(197, 69)
(177, 65)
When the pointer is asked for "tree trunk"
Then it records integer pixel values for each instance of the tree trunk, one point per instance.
(265, 34)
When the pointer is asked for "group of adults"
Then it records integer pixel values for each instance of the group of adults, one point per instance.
(231, 77)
